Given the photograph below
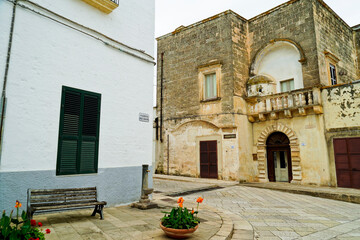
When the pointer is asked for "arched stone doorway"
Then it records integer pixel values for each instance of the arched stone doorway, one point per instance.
(294, 151)
(278, 158)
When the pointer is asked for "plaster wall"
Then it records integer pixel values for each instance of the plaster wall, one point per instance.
(309, 132)
(184, 149)
(47, 56)
(280, 60)
(126, 23)
(247, 166)
(341, 106)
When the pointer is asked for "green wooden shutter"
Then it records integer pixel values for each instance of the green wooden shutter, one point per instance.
(89, 143)
(78, 132)
(69, 132)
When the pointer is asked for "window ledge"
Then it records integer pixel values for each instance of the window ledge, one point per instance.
(210, 100)
(106, 6)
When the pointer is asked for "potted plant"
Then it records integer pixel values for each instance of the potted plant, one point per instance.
(181, 222)
(20, 227)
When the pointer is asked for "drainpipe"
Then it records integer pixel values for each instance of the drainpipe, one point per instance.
(161, 96)
(3, 94)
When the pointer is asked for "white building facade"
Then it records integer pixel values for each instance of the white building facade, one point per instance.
(77, 82)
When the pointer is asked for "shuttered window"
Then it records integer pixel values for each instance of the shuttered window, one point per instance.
(78, 132)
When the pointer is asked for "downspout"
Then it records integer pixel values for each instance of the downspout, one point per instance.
(161, 96)
(3, 94)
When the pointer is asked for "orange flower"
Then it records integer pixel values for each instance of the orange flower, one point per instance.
(181, 204)
(200, 200)
(18, 204)
(180, 200)
(192, 212)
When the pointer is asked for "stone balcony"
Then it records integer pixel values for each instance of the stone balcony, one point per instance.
(284, 105)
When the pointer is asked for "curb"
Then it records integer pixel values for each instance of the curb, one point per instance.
(227, 227)
(321, 194)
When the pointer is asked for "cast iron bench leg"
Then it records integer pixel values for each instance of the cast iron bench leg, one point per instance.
(98, 209)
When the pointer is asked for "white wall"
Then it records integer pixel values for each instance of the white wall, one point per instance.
(280, 60)
(131, 23)
(47, 55)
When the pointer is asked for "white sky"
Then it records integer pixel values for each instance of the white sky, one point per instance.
(171, 14)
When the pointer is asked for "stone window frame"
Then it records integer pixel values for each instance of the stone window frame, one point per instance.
(210, 68)
(331, 59)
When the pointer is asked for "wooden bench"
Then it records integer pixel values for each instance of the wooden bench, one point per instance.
(50, 200)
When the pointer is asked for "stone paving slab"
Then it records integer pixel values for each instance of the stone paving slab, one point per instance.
(129, 223)
(281, 215)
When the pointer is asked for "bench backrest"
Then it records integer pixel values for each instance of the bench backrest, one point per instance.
(53, 197)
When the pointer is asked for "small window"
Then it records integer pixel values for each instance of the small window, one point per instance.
(287, 85)
(78, 132)
(333, 74)
(210, 90)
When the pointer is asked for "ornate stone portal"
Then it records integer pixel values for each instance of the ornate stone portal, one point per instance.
(294, 148)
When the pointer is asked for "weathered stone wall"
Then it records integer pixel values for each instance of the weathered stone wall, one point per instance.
(342, 106)
(342, 117)
(335, 36)
(184, 52)
(240, 51)
(292, 20)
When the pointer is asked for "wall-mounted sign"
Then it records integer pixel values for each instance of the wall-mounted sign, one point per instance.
(227, 136)
(143, 117)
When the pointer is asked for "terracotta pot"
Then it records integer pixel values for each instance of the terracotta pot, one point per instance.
(178, 233)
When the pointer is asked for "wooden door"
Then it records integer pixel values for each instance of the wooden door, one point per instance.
(208, 159)
(279, 165)
(347, 162)
(279, 158)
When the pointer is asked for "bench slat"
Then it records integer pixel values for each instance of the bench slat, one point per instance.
(62, 195)
(62, 192)
(62, 189)
(36, 205)
(69, 206)
(64, 198)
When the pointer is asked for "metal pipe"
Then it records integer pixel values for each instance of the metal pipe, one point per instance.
(161, 96)
(168, 157)
(3, 94)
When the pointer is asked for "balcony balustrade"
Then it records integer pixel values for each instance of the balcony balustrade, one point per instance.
(106, 6)
(297, 102)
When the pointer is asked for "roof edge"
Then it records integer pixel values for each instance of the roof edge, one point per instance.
(356, 27)
(182, 28)
(334, 13)
(272, 10)
(216, 16)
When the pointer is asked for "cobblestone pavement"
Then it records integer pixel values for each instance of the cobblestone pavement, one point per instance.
(280, 215)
